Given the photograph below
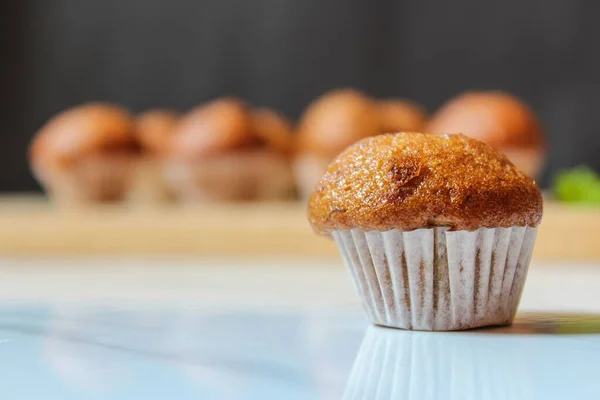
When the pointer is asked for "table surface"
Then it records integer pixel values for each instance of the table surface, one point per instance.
(223, 329)
(32, 226)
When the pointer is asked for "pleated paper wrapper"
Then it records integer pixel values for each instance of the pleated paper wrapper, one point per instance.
(436, 279)
(408, 365)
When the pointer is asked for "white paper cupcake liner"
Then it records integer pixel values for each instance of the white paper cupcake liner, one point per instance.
(436, 279)
(456, 366)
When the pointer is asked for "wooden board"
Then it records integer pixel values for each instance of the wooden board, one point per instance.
(33, 227)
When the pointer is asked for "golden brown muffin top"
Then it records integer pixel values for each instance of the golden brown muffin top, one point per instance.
(496, 118)
(336, 120)
(83, 130)
(153, 129)
(272, 130)
(218, 126)
(400, 115)
(409, 181)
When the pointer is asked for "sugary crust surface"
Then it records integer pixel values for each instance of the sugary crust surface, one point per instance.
(409, 181)
(336, 120)
(81, 131)
(154, 128)
(399, 115)
(496, 118)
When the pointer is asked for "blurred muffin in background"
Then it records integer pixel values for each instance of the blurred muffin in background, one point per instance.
(153, 131)
(215, 154)
(85, 154)
(498, 119)
(329, 124)
(400, 115)
(274, 132)
(272, 129)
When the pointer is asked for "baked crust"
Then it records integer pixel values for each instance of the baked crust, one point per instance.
(409, 181)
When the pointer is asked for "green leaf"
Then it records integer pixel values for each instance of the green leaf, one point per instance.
(577, 185)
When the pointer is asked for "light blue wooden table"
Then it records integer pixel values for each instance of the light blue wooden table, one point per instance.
(217, 329)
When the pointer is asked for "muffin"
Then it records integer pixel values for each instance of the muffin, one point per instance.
(437, 231)
(273, 130)
(153, 131)
(215, 155)
(498, 119)
(398, 115)
(329, 125)
(85, 154)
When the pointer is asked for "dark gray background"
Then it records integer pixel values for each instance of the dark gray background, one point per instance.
(283, 53)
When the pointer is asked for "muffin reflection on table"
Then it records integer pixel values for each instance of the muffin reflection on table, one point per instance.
(153, 131)
(455, 366)
(215, 155)
(85, 154)
(437, 231)
(331, 349)
(498, 119)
